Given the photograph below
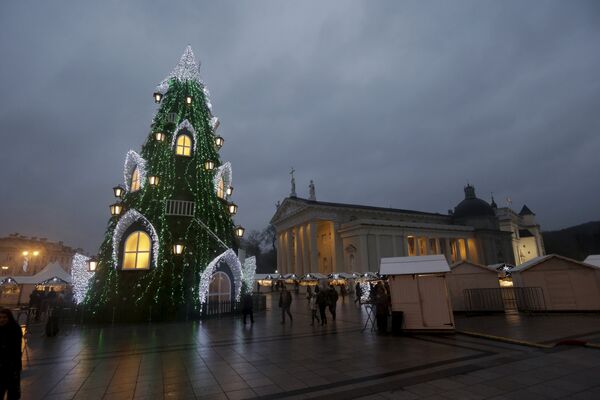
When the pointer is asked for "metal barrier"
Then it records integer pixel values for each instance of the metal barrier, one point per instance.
(526, 299)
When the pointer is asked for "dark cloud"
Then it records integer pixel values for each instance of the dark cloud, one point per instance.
(384, 103)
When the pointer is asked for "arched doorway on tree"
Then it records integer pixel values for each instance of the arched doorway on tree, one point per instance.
(219, 292)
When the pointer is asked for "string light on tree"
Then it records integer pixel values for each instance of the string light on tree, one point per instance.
(171, 214)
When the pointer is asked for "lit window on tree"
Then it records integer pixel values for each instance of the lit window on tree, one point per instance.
(183, 145)
(137, 251)
(221, 188)
(135, 180)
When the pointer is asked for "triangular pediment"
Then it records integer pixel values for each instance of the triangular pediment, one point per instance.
(288, 208)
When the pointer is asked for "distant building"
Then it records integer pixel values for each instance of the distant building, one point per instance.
(324, 237)
(21, 255)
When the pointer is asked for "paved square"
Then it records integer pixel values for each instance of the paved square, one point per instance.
(223, 359)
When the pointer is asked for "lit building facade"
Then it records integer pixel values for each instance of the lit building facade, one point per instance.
(22, 256)
(324, 237)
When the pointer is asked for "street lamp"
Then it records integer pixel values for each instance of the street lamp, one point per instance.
(188, 100)
(232, 207)
(157, 97)
(178, 248)
(209, 165)
(119, 191)
(115, 209)
(239, 231)
(219, 142)
(153, 180)
(229, 190)
(92, 264)
(159, 136)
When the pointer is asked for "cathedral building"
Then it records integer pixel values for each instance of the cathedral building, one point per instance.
(324, 237)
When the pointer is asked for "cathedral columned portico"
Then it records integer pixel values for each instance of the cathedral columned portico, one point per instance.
(315, 236)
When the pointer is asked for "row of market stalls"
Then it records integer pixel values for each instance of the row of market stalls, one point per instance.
(426, 290)
(315, 279)
(15, 290)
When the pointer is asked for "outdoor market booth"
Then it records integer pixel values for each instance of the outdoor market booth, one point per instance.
(51, 277)
(465, 276)
(567, 285)
(418, 289)
(9, 291)
(593, 259)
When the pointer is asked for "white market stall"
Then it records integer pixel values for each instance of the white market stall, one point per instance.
(418, 288)
(467, 275)
(567, 285)
(52, 275)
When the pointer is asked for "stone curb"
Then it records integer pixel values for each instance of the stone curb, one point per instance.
(505, 339)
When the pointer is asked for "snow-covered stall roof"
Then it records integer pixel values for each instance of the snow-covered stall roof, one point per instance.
(413, 265)
(52, 270)
(593, 259)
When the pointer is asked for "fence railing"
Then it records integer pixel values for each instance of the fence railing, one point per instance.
(526, 299)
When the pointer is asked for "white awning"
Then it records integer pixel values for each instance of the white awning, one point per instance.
(52, 270)
(413, 265)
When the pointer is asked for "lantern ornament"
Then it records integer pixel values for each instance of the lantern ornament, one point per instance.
(239, 231)
(160, 137)
(157, 97)
(209, 165)
(119, 191)
(116, 209)
(92, 264)
(25, 253)
(232, 208)
(36, 253)
(229, 190)
(188, 100)
(178, 248)
(153, 180)
(219, 141)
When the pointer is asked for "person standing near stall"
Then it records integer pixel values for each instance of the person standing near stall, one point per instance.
(11, 337)
(285, 302)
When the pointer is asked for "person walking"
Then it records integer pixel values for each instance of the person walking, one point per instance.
(247, 307)
(358, 293)
(313, 309)
(285, 301)
(11, 337)
(343, 293)
(322, 304)
(332, 298)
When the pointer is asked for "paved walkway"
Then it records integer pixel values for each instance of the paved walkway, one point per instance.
(223, 359)
(542, 328)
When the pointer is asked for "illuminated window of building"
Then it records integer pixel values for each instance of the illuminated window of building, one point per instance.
(183, 146)
(137, 251)
(136, 182)
(412, 251)
(221, 188)
(423, 246)
(433, 246)
(453, 247)
(462, 249)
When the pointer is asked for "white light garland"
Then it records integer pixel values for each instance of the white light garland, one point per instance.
(125, 222)
(133, 160)
(233, 262)
(223, 172)
(185, 124)
(186, 70)
(365, 288)
(80, 276)
(214, 124)
(249, 271)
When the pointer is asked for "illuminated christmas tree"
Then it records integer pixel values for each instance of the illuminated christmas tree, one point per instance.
(171, 229)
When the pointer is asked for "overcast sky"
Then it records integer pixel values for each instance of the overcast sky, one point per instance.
(385, 103)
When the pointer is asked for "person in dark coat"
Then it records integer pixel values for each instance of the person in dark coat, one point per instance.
(382, 309)
(358, 293)
(247, 307)
(285, 302)
(322, 304)
(11, 337)
(332, 298)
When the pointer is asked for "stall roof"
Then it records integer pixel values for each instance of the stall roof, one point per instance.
(593, 259)
(52, 270)
(413, 265)
(538, 260)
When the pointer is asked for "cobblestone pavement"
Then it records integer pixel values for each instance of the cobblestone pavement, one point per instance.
(223, 359)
